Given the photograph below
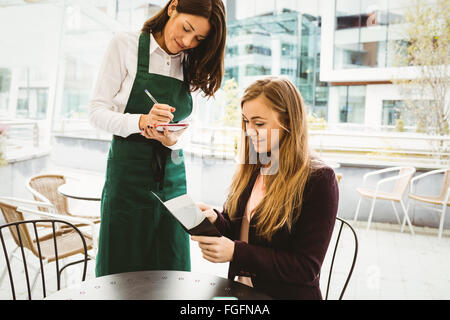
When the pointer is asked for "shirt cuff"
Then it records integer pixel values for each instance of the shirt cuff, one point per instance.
(242, 260)
(133, 123)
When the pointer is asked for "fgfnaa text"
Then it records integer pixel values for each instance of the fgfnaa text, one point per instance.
(227, 309)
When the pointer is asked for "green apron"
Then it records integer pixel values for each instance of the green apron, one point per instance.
(136, 231)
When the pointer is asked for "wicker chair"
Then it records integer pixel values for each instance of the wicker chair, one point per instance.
(45, 188)
(48, 247)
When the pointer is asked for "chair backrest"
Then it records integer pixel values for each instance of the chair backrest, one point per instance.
(20, 235)
(401, 185)
(445, 184)
(341, 224)
(47, 185)
(19, 225)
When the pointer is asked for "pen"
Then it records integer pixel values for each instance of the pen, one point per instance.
(151, 97)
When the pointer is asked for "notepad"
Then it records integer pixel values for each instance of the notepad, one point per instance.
(189, 215)
(171, 126)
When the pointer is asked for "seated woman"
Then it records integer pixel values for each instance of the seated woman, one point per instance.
(279, 216)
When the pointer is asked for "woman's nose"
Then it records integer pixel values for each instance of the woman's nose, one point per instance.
(251, 132)
(187, 41)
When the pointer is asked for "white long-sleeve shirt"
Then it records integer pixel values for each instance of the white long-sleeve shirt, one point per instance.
(115, 80)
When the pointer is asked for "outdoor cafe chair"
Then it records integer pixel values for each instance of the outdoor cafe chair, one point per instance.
(441, 200)
(402, 180)
(44, 187)
(342, 225)
(47, 246)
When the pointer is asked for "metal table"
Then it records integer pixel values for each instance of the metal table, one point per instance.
(159, 285)
(83, 189)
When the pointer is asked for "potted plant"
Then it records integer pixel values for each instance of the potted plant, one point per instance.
(3, 130)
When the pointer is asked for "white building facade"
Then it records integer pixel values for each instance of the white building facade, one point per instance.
(357, 60)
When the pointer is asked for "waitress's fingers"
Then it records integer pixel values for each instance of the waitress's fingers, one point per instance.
(152, 132)
(160, 116)
(163, 107)
(161, 113)
(144, 133)
(158, 119)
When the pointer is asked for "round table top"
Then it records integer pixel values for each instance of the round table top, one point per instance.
(159, 285)
(83, 189)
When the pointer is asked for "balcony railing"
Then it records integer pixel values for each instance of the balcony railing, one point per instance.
(22, 140)
(343, 143)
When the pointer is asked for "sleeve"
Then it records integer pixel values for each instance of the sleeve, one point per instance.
(310, 238)
(224, 224)
(109, 82)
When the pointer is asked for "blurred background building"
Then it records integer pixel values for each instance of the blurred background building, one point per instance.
(339, 54)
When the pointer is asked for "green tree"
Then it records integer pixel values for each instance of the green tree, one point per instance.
(425, 46)
(232, 117)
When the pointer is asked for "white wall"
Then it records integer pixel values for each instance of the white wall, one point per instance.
(29, 35)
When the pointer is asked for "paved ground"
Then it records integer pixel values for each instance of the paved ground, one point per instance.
(390, 265)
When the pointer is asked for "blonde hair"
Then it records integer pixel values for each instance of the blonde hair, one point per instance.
(283, 190)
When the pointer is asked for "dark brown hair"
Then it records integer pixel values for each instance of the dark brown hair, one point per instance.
(204, 65)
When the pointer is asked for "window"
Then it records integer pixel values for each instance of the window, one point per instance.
(394, 110)
(5, 84)
(347, 14)
(352, 103)
(255, 70)
(32, 103)
(231, 73)
(361, 33)
(252, 49)
(287, 71)
(232, 51)
(288, 50)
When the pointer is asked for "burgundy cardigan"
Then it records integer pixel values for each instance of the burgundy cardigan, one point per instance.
(287, 267)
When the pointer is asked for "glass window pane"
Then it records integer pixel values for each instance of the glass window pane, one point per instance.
(352, 101)
(347, 7)
(348, 14)
(373, 13)
(32, 103)
(395, 110)
(5, 86)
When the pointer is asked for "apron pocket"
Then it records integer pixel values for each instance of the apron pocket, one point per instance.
(128, 185)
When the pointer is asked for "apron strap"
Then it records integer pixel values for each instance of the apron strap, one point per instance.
(143, 52)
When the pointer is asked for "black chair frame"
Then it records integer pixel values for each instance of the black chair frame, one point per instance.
(342, 223)
(58, 270)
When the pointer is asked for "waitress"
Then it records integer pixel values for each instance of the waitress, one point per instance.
(178, 51)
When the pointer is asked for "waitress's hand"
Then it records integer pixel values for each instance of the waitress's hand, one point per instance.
(215, 249)
(167, 138)
(160, 113)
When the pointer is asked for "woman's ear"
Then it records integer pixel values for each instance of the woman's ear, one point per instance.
(172, 7)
